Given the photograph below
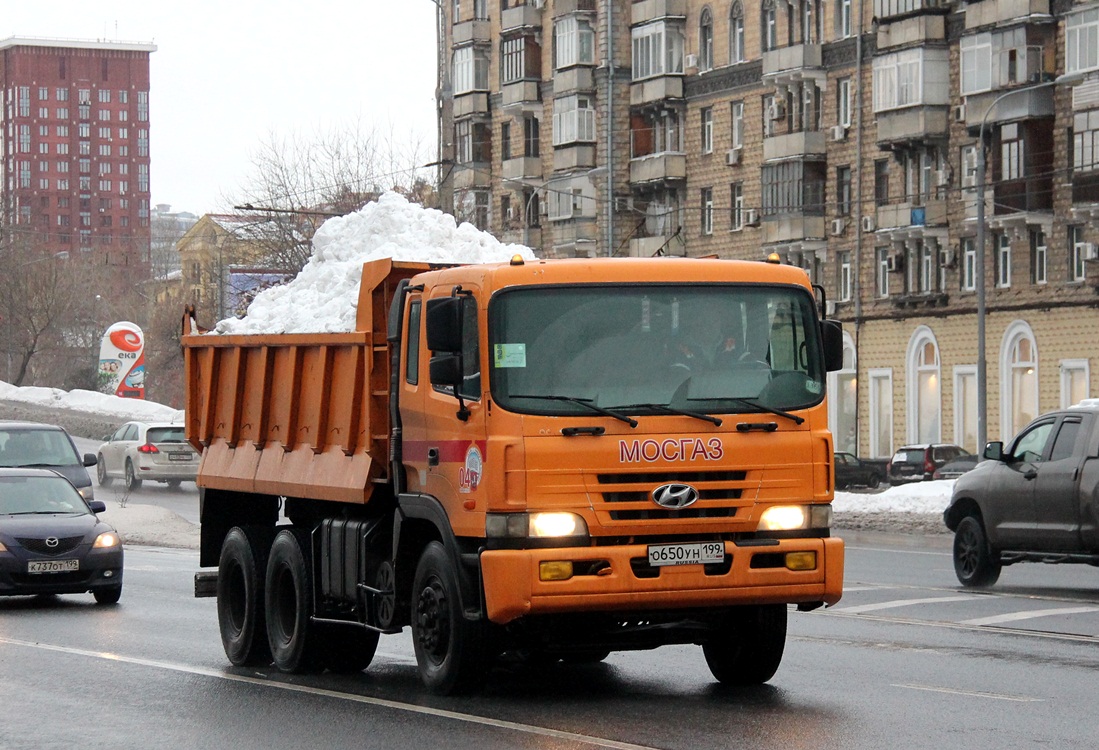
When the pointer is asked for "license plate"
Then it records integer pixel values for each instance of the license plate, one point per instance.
(686, 554)
(53, 566)
(179, 456)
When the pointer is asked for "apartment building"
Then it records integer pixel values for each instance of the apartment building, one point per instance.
(843, 136)
(74, 151)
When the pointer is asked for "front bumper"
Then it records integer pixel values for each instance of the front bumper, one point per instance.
(513, 588)
(98, 569)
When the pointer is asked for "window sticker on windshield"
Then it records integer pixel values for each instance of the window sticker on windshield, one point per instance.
(812, 386)
(510, 355)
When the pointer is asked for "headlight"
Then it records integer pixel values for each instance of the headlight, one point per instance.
(793, 517)
(106, 539)
(548, 525)
(87, 493)
(3, 548)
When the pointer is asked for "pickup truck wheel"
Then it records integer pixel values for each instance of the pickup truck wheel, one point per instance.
(748, 646)
(875, 480)
(294, 639)
(347, 649)
(450, 649)
(240, 597)
(974, 563)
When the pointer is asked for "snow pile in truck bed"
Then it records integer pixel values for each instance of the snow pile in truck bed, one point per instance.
(322, 298)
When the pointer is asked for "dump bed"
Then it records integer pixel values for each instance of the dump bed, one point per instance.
(297, 415)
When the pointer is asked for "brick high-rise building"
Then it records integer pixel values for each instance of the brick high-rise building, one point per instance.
(74, 151)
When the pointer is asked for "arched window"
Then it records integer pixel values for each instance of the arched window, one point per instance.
(706, 40)
(924, 417)
(769, 26)
(1018, 378)
(843, 401)
(736, 33)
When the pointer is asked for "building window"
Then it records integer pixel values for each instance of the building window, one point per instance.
(927, 267)
(843, 102)
(1075, 377)
(736, 33)
(881, 407)
(736, 116)
(707, 211)
(898, 79)
(472, 142)
(1085, 141)
(965, 407)
(969, 265)
(520, 59)
(480, 10)
(881, 278)
(706, 40)
(657, 50)
(104, 96)
(769, 26)
(1082, 41)
(24, 101)
(1018, 378)
(574, 43)
(736, 203)
(573, 119)
(142, 178)
(530, 137)
(845, 279)
(1011, 152)
(1039, 257)
(707, 129)
(143, 143)
(143, 106)
(881, 182)
(843, 191)
(1077, 252)
(924, 388)
(1003, 260)
(793, 187)
(845, 25)
(123, 96)
(505, 141)
(470, 70)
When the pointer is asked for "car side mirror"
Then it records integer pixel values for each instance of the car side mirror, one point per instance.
(97, 506)
(90, 459)
(994, 451)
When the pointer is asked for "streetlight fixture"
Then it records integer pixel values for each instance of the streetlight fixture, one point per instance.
(982, 369)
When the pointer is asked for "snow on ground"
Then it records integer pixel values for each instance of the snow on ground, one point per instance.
(322, 298)
(91, 402)
(917, 497)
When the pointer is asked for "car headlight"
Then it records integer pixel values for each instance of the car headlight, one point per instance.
(546, 525)
(794, 517)
(106, 540)
(87, 493)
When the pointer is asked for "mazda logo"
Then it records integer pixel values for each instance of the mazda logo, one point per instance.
(675, 496)
(52, 542)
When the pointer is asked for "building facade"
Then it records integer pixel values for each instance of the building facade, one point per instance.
(74, 155)
(843, 136)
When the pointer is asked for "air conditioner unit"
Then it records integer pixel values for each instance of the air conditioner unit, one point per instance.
(1090, 251)
(950, 258)
(829, 308)
(959, 113)
(732, 156)
(691, 61)
(942, 177)
(776, 111)
(838, 226)
(537, 4)
(839, 132)
(751, 218)
(895, 263)
(868, 224)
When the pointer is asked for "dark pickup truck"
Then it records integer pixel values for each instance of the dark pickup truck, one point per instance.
(858, 472)
(1035, 500)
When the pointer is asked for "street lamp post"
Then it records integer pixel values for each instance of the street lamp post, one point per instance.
(982, 368)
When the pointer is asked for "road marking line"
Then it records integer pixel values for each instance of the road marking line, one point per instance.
(853, 589)
(1028, 614)
(380, 702)
(903, 603)
(973, 693)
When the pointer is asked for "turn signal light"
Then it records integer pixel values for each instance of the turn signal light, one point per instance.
(555, 570)
(801, 560)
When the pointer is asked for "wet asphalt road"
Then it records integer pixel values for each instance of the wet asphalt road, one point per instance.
(908, 659)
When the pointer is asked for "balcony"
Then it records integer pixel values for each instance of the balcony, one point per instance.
(652, 90)
(791, 64)
(520, 17)
(900, 221)
(791, 145)
(520, 94)
(652, 10)
(473, 103)
(522, 168)
(918, 124)
(912, 31)
(884, 10)
(793, 228)
(1026, 105)
(565, 7)
(476, 31)
(472, 175)
(661, 167)
(996, 12)
(574, 156)
(578, 78)
(1027, 195)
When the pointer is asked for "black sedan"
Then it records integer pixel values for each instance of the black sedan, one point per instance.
(52, 542)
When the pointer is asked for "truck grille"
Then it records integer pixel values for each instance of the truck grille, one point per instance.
(622, 490)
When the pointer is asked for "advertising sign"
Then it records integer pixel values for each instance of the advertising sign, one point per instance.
(122, 361)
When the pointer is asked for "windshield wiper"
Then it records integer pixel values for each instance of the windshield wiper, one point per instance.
(40, 512)
(585, 402)
(672, 410)
(755, 404)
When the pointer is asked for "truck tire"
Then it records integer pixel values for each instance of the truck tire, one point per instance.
(974, 562)
(241, 617)
(294, 638)
(748, 646)
(450, 650)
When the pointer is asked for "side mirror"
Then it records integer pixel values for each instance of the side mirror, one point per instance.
(97, 506)
(90, 459)
(444, 325)
(831, 333)
(446, 370)
(994, 451)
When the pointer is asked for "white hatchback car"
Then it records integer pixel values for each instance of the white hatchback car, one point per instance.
(154, 451)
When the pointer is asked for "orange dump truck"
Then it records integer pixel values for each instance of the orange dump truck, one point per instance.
(552, 458)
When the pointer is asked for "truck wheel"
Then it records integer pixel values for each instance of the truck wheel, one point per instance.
(240, 597)
(748, 646)
(875, 480)
(347, 649)
(974, 563)
(450, 650)
(295, 645)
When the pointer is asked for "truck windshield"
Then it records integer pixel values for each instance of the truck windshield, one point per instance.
(647, 349)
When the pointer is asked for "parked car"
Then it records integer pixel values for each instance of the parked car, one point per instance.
(52, 542)
(957, 467)
(25, 444)
(154, 451)
(1035, 500)
(916, 463)
(857, 472)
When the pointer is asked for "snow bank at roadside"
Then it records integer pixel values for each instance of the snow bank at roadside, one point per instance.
(91, 402)
(151, 525)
